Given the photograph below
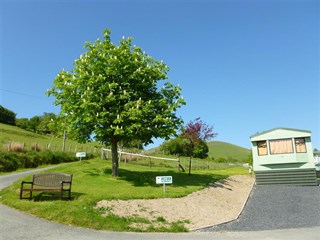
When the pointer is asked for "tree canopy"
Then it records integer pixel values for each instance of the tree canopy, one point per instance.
(7, 116)
(191, 141)
(113, 93)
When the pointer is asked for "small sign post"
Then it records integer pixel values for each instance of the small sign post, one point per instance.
(164, 180)
(81, 155)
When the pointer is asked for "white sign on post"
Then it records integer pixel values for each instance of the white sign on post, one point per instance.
(81, 155)
(164, 180)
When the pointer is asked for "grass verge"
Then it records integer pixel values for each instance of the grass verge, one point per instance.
(93, 182)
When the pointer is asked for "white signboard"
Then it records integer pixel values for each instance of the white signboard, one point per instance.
(81, 154)
(163, 179)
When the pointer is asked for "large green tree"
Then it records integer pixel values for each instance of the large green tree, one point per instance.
(113, 93)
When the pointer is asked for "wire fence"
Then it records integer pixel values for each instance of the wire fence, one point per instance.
(72, 148)
(180, 164)
(141, 159)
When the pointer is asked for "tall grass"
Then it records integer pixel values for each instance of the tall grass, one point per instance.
(11, 134)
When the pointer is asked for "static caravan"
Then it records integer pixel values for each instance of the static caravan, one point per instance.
(283, 156)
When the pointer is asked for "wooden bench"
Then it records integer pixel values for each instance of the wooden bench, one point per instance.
(48, 182)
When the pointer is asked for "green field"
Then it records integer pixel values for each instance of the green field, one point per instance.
(226, 150)
(92, 182)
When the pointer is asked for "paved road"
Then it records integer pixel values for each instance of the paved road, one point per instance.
(18, 225)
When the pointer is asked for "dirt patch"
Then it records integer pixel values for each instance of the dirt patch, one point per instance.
(219, 202)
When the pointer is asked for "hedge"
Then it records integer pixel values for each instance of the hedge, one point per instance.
(11, 161)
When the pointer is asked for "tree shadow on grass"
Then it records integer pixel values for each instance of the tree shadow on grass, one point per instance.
(54, 196)
(148, 178)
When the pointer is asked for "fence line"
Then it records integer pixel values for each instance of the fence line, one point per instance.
(22, 147)
(105, 156)
(142, 155)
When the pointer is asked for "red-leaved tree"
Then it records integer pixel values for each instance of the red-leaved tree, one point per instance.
(197, 132)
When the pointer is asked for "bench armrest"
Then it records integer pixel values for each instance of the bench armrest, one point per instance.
(68, 183)
(22, 189)
(23, 182)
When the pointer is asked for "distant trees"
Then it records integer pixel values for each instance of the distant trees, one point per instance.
(44, 124)
(192, 141)
(7, 116)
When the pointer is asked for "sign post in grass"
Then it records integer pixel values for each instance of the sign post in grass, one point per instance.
(164, 180)
(81, 155)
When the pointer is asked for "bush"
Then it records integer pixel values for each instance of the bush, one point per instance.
(32, 159)
(12, 161)
(8, 162)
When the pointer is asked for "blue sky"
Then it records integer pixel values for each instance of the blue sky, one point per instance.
(244, 66)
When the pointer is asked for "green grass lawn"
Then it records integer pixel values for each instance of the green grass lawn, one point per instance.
(93, 182)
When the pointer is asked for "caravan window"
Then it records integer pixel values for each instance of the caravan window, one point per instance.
(281, 146)
(262, 148)
(300, 145)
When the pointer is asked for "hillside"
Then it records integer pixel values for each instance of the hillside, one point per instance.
(219, 150)
(10, 134)
(226, 150)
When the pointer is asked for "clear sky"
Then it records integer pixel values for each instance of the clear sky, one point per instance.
(244, 66)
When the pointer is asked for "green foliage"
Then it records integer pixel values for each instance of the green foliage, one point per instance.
(12, 161)
(178, 146)
(200, 149)
(112, 92)
(249, 159)
(175, 146)
(44, 124)
(8, 162)
(7, 116)
(22, 123)
(191, 141)
(33, 123)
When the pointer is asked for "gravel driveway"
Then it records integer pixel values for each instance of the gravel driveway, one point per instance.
(277, 207)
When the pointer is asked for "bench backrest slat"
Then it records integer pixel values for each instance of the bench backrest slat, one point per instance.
(51, 179)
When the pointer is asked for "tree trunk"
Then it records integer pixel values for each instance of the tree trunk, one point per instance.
(114, 153)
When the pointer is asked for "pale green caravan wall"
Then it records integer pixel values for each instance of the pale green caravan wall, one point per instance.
(282, 161)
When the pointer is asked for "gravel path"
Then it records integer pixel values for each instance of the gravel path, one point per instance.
(277, 207)
(217, 203)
